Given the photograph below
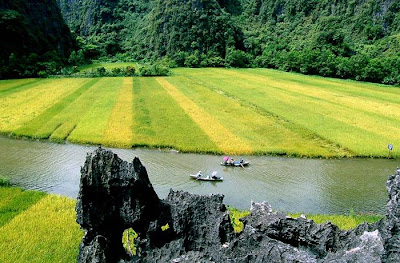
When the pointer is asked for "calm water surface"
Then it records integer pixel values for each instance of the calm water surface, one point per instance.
(288, 184)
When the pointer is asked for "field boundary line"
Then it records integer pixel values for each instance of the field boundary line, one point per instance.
(221, 136)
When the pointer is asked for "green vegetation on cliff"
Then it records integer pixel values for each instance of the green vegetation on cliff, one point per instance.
(358, 39)
(35, 39)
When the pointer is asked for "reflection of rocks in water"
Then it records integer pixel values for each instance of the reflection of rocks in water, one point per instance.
(115, 195)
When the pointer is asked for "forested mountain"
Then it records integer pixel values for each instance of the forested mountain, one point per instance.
(357, 39)
(341, 38)
(35, 39)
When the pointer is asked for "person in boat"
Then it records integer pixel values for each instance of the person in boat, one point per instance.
(214, 175)
(199, 174)
(226, 159)
(241, 160)
(232, 162)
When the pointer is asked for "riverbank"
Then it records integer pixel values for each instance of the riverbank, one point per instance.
(39, 227)
(208, 110)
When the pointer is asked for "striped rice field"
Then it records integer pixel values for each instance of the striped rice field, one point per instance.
(209, 110)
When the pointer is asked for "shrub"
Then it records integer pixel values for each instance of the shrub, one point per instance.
(237, 58)
(154, 70)
(4, 182)
(192, 61)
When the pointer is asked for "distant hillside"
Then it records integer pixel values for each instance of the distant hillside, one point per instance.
(34, 38)
(357, 39)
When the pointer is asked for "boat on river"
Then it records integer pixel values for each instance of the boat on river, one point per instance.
(213, 177)
(206, 178)
(235, 164)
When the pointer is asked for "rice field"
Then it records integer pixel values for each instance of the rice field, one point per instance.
(209, 110)
(36, 227)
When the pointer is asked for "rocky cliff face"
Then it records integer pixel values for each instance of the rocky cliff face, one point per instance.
(32, 31)
(116, 195)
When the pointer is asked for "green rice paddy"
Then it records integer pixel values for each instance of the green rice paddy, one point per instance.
(36, 227)
(209, 110)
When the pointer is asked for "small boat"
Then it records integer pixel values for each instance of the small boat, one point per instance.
(236, 164)
(206, 178)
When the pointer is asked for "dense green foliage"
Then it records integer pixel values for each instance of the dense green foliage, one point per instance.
(35, 39)
(358, 39)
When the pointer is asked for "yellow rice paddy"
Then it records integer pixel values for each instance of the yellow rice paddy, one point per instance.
(221, 111)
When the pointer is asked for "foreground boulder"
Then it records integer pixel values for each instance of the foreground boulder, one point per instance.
(115, 195)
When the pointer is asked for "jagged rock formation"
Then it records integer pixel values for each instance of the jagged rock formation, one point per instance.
(116, 195)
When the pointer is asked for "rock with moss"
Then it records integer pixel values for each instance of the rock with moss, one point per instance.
(116, 195)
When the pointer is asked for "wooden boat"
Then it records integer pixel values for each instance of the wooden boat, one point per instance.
(206, 178)
(235, 164)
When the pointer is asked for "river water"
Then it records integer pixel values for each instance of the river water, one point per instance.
(289, 184)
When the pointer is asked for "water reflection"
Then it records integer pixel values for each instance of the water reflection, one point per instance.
(289, 184)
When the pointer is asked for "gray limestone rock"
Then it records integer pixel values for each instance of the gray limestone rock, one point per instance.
(115, 195)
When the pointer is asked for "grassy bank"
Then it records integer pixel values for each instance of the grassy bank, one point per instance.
(345, 222)
(231, 111)
(39, 227)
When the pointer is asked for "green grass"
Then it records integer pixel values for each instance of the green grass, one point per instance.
(209, 110)
(344, 222)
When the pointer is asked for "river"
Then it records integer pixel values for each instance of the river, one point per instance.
(334, 186)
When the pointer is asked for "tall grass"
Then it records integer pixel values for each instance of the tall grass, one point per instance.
(359, 131)
(344, 222)
(262, 132)
(41, 127)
